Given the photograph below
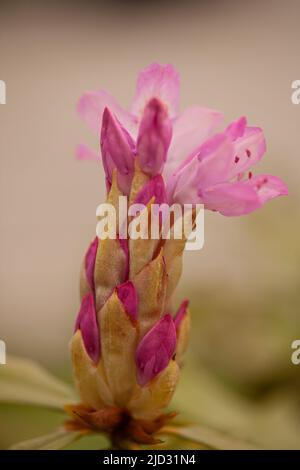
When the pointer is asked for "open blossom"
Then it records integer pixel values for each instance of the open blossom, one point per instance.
(199, 163)
(129, 342)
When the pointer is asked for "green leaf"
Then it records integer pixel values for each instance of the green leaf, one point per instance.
(207, 437)
(54, 441)
(23, 381)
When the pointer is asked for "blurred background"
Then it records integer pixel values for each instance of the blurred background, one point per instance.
(239, 57)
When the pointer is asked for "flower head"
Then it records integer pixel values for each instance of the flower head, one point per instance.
(198, 163)
(129, 343)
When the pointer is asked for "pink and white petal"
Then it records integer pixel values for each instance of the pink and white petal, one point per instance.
(236, 128)
(182, 194)
(190, 130)
(157, 81)
(209, 166)
(267, 187)
(230, 199)
(214, 160)
(248, 150)
(83, 152)
(91, 106)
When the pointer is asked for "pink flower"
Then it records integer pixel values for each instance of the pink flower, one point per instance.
(217, 173)
(198, 165)
(129, 344)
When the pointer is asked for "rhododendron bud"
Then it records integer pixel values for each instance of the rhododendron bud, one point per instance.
(87, 323)
(118, 150)
(154, 137)
(128, 296)
(124, 335)
(155, 350)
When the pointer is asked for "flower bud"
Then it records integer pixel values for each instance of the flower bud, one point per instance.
(154, 137)
(125, 346)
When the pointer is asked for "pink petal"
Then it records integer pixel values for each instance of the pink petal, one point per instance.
(83, 152)
(181, 313)
(87, 323)
(231, 199)
(210, 165)
(157, 81)
(118, 150)
(155, 187)
(267, 187)
(236, 128)
(90, 262)
(155, 350)
(190, 130)
(248, 150)
(214, 159)
(154, 137)
(91, 106)
(128, 296)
